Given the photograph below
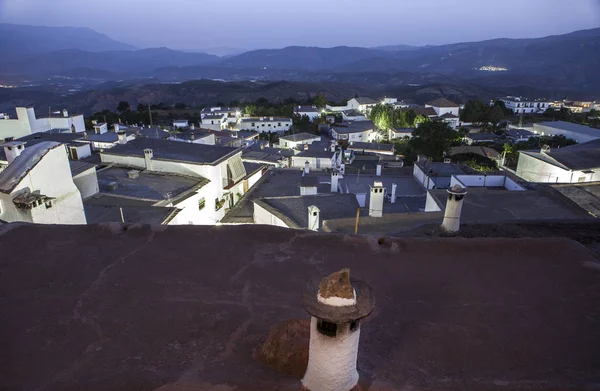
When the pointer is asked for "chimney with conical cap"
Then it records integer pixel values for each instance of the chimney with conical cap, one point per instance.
(456, 195)
(336, 311)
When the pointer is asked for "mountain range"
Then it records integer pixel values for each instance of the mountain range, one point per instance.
(89, 60)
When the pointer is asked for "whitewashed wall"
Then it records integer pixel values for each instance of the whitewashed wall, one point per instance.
(87, 183)
(264, 217)
(430, 204)
(420, 177)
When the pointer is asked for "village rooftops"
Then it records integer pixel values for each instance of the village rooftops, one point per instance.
(299, 137)
(78, 167)
(174, 151)
(574, 157)
(354, 127)
(476, 149)
(315, 153)
(213, 116)
(265, 119)
(371, 147)
(363, 100)
(442, 102)
(104, 208)
(353, 113)
(148, 186)
(147, 132)
(108, 137)
(294, 210)
(306, 109)
(482, 137)
(425, 111)
(14, 173)
(36, 138)
(519, 133)
(570, 127)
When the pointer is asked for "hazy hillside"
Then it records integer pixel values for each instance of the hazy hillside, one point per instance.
(19, 39)
(121, 63)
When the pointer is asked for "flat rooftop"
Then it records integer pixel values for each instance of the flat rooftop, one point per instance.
(173, 150)
(105, 208)
(135, 309)
(498, 204)
(148, 186)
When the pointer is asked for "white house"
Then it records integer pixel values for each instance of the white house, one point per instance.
(572, 164)
(579, 133)
(26, 123)
(362, 104)
(474, 138)
(317, 160)
(520, 105)
(222, 167)
(213, 121)
(371, 148)
(265, 124)
(229, 117)
(400, 133)
(310, 111)
(356, 131)
(85, 178)
(180, 123)
(446, 110)
(293, 140)
(100, 128)
(353, 115)
(37, 186)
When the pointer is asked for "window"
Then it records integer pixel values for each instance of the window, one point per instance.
(327, 328)
(201, 203)
(279, 124)
(48, 204)
(253, 124)
(354, 326)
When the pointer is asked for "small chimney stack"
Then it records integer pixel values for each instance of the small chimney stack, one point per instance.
(376, 200)
(456, 195)
(334, 181)
(378, 169)
(394, 186)
(313, 218)
(65, 113)
(148, 155)
(306, 168)
(122, 137)
(13, 149)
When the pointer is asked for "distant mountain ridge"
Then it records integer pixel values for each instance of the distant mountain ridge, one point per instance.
(23, 39)
(569, 61)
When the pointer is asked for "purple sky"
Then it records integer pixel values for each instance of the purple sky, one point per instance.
(251, 24)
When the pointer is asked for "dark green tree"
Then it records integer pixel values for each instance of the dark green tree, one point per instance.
(433, 139)
(180, 106)
(123, 106)
(474, 111)
(495, 115)
(321, 101)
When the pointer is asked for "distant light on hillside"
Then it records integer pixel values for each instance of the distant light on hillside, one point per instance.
(491, 68)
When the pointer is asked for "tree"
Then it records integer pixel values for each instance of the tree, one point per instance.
(321, 101)
(474, 111)
(495, 115)
(433, 139)
(180, 106)
(123, 106)
(141, 108)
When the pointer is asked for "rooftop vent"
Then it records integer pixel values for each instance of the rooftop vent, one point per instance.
(133, 174)
(112, 186)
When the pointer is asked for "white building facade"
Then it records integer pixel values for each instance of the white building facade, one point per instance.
(265, 124)
(37, 186)
(520, 105)
(27, 123)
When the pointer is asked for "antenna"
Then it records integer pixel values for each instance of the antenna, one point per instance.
(150, 114)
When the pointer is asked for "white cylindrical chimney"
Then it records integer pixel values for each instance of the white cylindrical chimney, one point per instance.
(313, 218)
(148, 155)
(456, 195)
(122, 137)
(306, 167)
(394, 186)
(376, 200)
(335, 332)
(334, 181)
(379, 169)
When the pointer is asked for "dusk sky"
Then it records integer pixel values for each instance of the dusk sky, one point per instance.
(251, 24)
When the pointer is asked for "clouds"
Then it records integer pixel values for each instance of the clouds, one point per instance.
(193, 24)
